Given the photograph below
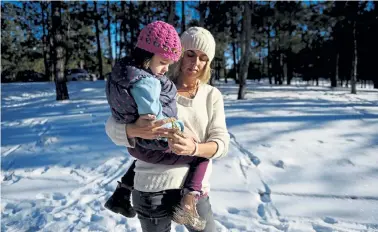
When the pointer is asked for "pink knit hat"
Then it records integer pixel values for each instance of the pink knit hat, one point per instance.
(162, 39)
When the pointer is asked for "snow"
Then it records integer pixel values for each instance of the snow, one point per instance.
(302, 158)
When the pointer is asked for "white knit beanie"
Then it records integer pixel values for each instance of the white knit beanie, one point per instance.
(198, 38)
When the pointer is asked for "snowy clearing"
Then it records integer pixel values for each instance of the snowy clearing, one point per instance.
(301, 159)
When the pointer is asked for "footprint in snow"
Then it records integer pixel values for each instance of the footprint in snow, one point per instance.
(330, 220)
(345, 162)
(265, 197)
(280, 164)
(58, 197)
(96, 218)
(236, 211)
(233, 210)
(266, 145)
(11, 179)
(261, 211)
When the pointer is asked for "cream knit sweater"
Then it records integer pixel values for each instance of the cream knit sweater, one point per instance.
(204, 116)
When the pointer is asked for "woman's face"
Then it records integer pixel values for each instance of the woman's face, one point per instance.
(193, 63)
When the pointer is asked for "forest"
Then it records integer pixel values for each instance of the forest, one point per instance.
(280, 41)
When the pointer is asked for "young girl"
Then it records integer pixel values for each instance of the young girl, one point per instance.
(138, 87)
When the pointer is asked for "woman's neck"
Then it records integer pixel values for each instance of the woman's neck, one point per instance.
(187, 83)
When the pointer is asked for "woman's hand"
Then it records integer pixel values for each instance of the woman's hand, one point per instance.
(145, 127)
(181, 145)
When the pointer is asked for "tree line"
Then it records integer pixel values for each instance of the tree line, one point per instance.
(276, 40)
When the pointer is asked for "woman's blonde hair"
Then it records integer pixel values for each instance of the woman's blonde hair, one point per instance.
(175, 72)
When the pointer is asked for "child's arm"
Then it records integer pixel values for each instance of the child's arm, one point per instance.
(146, 94)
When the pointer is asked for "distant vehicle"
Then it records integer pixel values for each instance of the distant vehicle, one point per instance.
(30, 76)
(78, 74)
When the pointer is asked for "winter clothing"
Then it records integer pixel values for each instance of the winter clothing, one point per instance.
(127, 81)
(157, 186)
(155, 210)
(145, 92)
(204, 116)
(119, 202)
(122, 104)
(162, 39)
(198, 38)
(186, 213)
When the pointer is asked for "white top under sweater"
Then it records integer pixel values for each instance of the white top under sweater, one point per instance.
(204, 116)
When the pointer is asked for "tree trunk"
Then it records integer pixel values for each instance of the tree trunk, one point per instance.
(50, 38)
(335, 78)
(235, 63)
(117, 45)
(290, 68)
(67, 37)
(375, 81)
(45, 41)
(109, 34)
(246, 48)
(269, 58)
(354, 76)
(133, 26)
(58, 48)
(225, 74)
(202, 6)
(122, 30)
(99, 53)
(182, 16)
(171, 12)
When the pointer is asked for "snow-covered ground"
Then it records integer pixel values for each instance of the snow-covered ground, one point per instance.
(301, 159)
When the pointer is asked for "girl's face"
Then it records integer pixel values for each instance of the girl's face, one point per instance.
(159, 65)
(193, 63)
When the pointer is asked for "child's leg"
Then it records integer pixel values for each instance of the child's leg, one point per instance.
(119, 202)
(128, 178)
(187, 213)
(196, 174)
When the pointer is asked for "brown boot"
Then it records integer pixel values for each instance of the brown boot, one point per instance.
(186, 213)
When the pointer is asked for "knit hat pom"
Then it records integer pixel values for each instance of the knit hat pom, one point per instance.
(162, 39)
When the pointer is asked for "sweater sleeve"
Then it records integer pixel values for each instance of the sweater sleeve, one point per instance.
(217, 130)
(146, 93)
(117, 133)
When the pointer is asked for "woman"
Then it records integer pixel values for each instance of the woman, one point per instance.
(157, 188)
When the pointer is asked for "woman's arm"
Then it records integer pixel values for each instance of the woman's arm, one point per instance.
(207, 150)
(124, 134)
(218, 140)
(187, 146)
(117, 133)
(217, 130)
